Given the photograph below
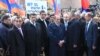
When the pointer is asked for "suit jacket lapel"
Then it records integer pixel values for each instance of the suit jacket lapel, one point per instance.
(31, 25)
(19, 33)
(90, 27)
(44, 23)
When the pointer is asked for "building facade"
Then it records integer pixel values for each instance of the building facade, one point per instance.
(65, 4)
(74, 3)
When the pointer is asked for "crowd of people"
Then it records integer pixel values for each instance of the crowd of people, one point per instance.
(72, 34)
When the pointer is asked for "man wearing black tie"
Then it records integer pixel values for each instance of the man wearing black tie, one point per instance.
(16, 38)
(32, 36)
(90, 34)
(43, 24)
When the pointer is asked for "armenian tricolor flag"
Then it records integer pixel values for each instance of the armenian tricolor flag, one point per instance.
(85, 4)
(15, 8)
(12, 7)
(51, 2)
(56, 5)
(3, 4)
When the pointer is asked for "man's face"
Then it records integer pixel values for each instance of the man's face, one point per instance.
(43, 15)
(66, 18)
(8, 21)
(57, 19)
(18, 22)
(87, 18)
(52, 18)
(33, 18)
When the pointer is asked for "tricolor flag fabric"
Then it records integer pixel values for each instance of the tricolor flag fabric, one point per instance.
(51, 2)
(3, 4)
(85, 4)
(56, 5)
(12, 7)
(15, 8)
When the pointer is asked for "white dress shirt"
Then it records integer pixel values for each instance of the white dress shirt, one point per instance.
(66, 25)
(44, 22)
(88, 24)
(33, 23)
(20, 29)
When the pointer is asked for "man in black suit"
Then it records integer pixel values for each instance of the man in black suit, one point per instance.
(4, 29)
(90, 34)
(73, 34)
(43, 24)
(98, 39)
(16, 38)
(32, 36)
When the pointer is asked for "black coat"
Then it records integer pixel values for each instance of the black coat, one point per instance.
(4, 30)
(56, 33)
(16, 41)
(32, 38)
(44, 36)
(74, 35)
(98, 39)
(62, 21)
(91, 35)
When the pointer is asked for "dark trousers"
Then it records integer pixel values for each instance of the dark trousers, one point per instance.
(46, 51)
(74, 53)
(30, 52)
(89, 51)
(98, 51)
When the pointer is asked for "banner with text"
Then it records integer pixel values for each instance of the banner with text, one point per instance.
(35, 6)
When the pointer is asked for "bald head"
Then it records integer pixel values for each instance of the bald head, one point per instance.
(57, 18)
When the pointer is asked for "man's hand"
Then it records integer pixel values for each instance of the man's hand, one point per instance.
(93, 47)
(61, 42)
(42, 48)
(74, 46)
(1, 49)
